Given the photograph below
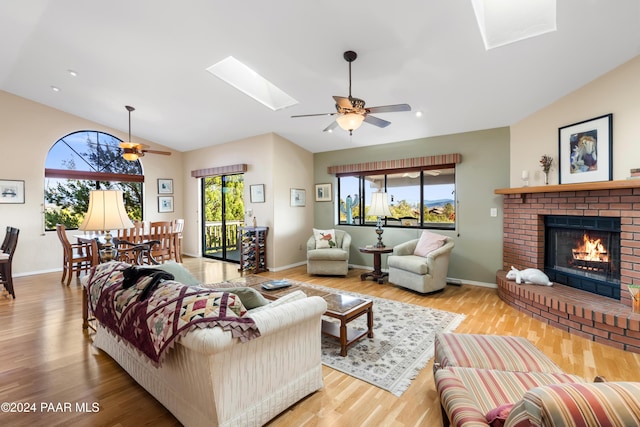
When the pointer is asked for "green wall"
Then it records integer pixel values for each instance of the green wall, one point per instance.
(484, 167)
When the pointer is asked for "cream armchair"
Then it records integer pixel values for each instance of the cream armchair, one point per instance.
(329, 261)
(424, 274)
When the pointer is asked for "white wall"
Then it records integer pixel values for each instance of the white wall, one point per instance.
(273, 161)
(27, 132)
(617, 92)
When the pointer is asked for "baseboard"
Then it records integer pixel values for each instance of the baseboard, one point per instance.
(459, 282)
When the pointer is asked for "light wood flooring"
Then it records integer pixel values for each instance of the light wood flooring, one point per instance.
(46, 359)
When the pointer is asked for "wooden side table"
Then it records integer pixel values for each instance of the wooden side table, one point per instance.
(376, 274)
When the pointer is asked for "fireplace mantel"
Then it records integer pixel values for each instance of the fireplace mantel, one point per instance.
(583, 186)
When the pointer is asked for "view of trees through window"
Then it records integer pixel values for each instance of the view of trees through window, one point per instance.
(85, 161)
(417, 198)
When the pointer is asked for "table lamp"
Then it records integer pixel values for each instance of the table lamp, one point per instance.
(379, 207)
(106, 212)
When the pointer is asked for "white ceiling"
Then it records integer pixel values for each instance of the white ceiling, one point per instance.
(152, 54)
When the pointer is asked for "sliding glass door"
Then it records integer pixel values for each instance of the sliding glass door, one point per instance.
(223, 213)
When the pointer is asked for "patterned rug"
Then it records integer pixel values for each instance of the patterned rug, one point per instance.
(401, 347)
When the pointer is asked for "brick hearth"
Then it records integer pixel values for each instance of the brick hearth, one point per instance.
(595, 317)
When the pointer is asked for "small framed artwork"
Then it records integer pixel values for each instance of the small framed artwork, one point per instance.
(298, 197)
(323, 192)
(11, 191)
(257, 193)
(165, 204)
(585, 151)
(165, 186)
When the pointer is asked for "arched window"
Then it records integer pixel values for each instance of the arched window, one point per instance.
(84, 161)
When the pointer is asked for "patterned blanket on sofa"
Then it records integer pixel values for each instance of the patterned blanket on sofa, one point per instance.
(152, 323)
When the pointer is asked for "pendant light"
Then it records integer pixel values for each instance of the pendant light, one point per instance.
(130, 149)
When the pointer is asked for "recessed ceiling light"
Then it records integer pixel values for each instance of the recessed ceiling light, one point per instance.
(418, 113)
(503, 21)
(72, 73)
(55, 88)
(246, 80)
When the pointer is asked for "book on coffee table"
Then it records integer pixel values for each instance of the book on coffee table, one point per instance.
(275, 284)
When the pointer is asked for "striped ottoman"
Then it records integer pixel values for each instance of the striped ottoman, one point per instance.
(497, 352)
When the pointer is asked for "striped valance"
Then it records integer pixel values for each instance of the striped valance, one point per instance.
(220, 170)
(414, 162)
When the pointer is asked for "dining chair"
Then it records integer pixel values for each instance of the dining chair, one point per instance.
(134, 253)
(77, 257)
(177, 226)
(134, 234)
(6, 259)
(163, 233)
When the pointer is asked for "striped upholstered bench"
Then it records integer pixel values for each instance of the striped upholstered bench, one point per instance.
(490, 352)
(487, 380)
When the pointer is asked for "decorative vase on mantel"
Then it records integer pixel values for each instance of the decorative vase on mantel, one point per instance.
(546, 178)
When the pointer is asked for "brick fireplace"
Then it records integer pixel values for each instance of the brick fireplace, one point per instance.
(592, 316)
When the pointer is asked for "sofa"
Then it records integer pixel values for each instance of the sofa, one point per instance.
(210, 378)
(425, 272)
(332, 258)
(487, 380)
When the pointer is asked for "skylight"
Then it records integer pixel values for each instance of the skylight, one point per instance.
(507, 21)
(243, 78)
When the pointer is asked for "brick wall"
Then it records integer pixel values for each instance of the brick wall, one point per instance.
(588, 315)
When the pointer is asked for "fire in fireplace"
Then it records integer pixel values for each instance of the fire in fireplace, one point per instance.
(584, 252)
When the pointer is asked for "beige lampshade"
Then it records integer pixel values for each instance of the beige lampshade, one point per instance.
(350, 121)
(106, 212)
(379, 205)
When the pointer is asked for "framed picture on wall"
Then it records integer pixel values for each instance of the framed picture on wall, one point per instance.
(165, 186)
(11, 191)
(165, 204)
(298, 197)
(257, 193)
(323, 192)
(585, 151)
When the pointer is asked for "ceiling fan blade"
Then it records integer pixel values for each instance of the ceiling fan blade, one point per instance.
(389, 108)
(343, 102)
(332, 126)
(312, 115)
(376, 121)
(164, 153)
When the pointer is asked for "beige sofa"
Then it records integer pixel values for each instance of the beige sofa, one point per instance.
(421, 274)
(211, 379)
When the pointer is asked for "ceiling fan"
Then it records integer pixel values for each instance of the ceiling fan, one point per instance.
(132, 151)
(352, 112)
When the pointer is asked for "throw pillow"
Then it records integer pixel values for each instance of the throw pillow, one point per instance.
(250, 297)
(497, 416)
(180, 273)
(428, 243)
(325, 238)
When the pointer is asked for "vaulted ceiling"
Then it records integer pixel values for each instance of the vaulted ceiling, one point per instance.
(152, 54)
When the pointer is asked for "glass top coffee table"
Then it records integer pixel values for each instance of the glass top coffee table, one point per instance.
(343, 308)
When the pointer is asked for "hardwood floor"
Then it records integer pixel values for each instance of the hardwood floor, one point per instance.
(47, 360)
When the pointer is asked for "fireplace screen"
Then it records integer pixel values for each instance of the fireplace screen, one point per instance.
(584, 252)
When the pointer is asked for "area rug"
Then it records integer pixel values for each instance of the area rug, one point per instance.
(402, 345)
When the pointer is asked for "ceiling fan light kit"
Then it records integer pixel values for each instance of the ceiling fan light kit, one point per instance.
(351, 111)
(132, 151)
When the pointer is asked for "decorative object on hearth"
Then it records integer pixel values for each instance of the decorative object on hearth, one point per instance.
(585, 151)
(529, 276)
(379, 207)
(634, 290)
(132, 151)
(106, 212)
(351, 111)
(525, 178)
(545, 162)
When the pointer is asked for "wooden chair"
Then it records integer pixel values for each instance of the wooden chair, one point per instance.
(6, 259)
(134, 235)
(77, 257)
(163, 233)
(178, 226)
(134, 253)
